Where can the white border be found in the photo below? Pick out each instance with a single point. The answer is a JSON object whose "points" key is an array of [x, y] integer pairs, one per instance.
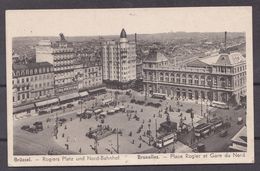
{"points": [[132, 159]]}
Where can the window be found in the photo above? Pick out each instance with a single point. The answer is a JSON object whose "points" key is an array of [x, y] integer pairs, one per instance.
{"points": [[161, 77]]}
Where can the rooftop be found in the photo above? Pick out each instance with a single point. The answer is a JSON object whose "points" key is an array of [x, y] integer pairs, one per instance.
{"points": [[218, 59], [155, 56], [31, 65]]}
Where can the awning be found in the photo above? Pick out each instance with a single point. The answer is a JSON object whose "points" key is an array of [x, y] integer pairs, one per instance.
{"points": [[23, 108], [96, 89], [46, 102], [69, 96], [83, 94]]}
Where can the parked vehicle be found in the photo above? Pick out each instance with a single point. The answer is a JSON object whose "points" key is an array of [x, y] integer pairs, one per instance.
{"points": [[25, 127], [159, 96], [70, 105], [38, 126]]}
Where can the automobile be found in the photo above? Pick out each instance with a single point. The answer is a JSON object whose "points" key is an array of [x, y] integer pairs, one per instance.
{"points": [[25, 127], [223, 133], [38, 126], [70, 105], [62, 120], [32, 130]]}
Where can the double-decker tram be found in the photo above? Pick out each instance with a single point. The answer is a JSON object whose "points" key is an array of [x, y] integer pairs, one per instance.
{"points": [[165, 140], [202, 129]]}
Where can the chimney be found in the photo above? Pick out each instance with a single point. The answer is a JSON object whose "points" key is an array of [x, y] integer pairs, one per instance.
{"points": [[225, 41], [135, 38]]}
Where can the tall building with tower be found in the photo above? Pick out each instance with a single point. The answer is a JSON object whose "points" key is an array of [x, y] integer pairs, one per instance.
{"points": [[62, 56], [119, 61]]}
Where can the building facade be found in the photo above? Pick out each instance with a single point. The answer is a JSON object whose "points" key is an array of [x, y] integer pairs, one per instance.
{"points": [[61, 55], [221, 77], [119, 60], [32, 82], [88, 75]]}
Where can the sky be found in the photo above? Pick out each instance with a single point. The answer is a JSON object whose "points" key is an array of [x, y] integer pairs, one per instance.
{"points": [[90, 22]]}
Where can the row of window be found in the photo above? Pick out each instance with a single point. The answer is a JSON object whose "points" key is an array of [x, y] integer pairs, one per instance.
{"points": [[33, 71], [32, 78], [223, 82]]}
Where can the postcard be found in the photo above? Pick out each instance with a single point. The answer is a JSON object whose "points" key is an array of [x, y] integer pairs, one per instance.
{"points": [[130, 86]]}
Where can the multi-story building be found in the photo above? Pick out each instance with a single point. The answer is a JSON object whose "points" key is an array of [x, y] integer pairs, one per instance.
{"points": [[119, 61], [32, 82], [88, 74], [61, 55], [221, 77]]}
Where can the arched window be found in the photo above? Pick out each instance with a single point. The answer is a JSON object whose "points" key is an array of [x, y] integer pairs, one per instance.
{"points": [[223, 82], [202, 80], [196, 80], [172, 78], [209, 81], [183, 79], [167, 77], [150, 76], [178, 78], [190, 79], [161, 76]]}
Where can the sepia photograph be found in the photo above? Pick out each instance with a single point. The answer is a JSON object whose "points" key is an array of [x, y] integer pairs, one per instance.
{"points": [[130, 86]]}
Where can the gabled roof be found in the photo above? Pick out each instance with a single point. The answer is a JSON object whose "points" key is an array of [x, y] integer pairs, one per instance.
{"points": [[197, 63]]}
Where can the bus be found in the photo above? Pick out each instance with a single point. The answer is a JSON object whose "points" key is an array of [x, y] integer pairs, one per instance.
{"points": [[202, 129], [159, 96], [216, 123], [165, 140]]}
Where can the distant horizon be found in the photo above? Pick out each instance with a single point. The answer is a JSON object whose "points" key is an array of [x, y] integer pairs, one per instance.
{"points": [[132, 34]]}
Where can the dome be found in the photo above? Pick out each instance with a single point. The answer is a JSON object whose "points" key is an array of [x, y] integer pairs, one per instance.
{"points": [[123, 34]]}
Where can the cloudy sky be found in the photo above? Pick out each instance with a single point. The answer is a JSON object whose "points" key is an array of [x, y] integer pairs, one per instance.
{"points": [[87, 22]]}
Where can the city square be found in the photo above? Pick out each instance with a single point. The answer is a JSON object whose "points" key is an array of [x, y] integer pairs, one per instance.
{"points": [[73, 131]]}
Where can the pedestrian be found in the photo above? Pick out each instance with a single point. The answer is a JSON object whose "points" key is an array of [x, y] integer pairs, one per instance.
{"points": [[79, 150]]}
